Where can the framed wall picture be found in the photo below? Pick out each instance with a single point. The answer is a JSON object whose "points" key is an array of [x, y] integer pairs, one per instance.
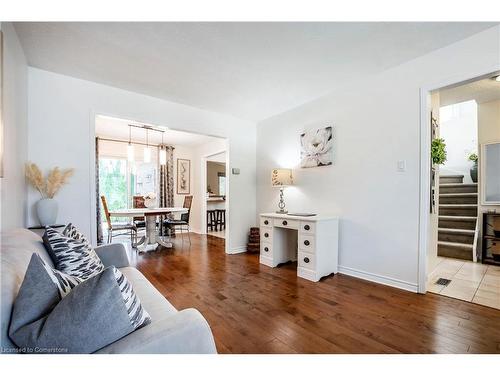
{"points": [[183, 176], [316, 148]]}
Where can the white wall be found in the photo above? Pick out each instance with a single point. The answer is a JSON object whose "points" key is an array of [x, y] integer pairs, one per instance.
{"points": [[459, 127], [376, 123], [13, 186], [61, 131]]}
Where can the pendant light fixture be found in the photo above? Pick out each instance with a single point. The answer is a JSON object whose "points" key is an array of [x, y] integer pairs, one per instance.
{"points": [[147, 150], [130, 147], [163, 152]]}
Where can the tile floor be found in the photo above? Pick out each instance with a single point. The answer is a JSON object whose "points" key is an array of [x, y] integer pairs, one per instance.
{"points": [[473, 282]]}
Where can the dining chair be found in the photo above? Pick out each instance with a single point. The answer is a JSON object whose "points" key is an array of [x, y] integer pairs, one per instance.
{"points": [[138, 202], [118, 227], [183, 223]]}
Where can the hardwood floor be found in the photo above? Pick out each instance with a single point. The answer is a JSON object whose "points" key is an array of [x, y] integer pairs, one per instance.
{"points": [[252, 308]]}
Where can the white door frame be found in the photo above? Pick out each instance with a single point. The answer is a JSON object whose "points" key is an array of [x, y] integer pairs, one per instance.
{"points": [[425, 154], [203, 182]]}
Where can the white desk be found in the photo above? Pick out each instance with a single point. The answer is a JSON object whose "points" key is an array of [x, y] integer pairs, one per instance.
{"points": [[312, 241]]}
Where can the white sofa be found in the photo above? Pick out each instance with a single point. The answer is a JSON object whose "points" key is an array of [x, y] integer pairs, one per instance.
{"points": [[171, 331]]}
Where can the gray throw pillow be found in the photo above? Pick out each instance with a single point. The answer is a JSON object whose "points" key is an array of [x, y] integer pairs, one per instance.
{"points": [[95, 313], [73, 257]]}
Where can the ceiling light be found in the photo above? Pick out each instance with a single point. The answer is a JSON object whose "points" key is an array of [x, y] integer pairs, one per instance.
{"points": [[147, 150], [130, 147], [163, 152]]}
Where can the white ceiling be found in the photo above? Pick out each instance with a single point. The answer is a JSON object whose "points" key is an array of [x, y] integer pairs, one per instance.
{"points": [[113, 128], [249, 70], [485, 90]]}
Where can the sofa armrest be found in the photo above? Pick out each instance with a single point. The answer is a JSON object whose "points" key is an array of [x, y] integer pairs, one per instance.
{"points": [[185, 332], [113, 254]]}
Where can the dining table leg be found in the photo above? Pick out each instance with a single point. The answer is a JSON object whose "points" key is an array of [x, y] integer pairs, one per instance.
{"points": [[152, 238]]}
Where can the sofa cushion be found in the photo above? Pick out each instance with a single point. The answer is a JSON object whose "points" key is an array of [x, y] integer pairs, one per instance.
{"points": [[94, 313], [17, 247], [74, 257], [72, 232]]}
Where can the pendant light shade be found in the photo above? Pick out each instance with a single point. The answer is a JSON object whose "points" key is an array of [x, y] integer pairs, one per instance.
{"points": [[147, 155], [147, 150], [163, 152], [130, 152], [163, 156], [130, 147]]}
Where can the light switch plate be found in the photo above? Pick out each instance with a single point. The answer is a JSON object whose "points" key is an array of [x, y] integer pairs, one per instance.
{"points": [[235, 171], [401, 165]]}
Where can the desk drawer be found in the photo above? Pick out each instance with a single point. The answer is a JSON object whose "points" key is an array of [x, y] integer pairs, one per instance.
{"points": [[266, 234], [266, 249], [308, 227], [286, 223], [306, 242], [307, 260], [266, 222]]}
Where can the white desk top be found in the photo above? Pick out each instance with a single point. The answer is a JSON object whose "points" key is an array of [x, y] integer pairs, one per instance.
{"points": [[301, 218]]}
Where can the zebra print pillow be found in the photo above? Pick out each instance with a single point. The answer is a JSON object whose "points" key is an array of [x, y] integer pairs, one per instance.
{"points": [[72, 232], [73, 257], [137, 315], [62, 281]]}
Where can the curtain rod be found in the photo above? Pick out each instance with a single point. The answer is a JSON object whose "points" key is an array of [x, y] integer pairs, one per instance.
{"points": [[133, 142]]}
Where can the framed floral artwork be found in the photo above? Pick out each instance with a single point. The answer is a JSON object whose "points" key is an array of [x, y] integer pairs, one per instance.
{"points": [[183, 176], [316, 148]]}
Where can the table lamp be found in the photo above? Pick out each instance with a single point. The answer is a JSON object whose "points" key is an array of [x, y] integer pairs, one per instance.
{"points": [[281, 178]]}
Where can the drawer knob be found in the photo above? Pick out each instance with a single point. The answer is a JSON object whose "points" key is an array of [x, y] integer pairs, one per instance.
{"points": [[306, 260], [307, 227], [307, 243], [266, 222], [266, 235], [266, 249], [285, 222]]}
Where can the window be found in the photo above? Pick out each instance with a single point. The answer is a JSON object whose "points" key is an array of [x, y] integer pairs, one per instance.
{"points": [[113, 183], [120, 180]]}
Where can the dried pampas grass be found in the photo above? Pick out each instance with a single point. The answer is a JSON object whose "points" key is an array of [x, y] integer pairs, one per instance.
{"points": [[49, 187]]}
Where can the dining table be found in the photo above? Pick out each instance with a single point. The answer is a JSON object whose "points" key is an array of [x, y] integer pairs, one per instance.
{"points": [[152, 237]]}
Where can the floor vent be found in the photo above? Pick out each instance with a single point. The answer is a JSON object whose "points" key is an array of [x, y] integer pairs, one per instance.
{"points": [[442, 281]]}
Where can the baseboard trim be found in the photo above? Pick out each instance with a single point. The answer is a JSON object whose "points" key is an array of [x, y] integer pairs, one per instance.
{"points": [[238, 250], [400, 284]]}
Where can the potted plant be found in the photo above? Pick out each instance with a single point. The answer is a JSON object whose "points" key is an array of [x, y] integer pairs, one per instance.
{"points": [[46, 207], [473, 170], [438, 151]]}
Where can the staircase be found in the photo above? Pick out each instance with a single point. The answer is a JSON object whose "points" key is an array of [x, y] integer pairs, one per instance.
{"points": [[457, 217]]}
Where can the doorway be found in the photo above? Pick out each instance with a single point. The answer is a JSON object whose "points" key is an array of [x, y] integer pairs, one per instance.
{"points": [[123, 176], [215, 177], [460, 257]]}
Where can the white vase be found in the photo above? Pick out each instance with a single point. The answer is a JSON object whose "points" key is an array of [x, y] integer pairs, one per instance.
{"points": [[150, 203], [46, 210]]}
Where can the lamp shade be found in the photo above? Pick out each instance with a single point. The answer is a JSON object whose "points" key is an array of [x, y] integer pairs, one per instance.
{"points": [[281, 177]]}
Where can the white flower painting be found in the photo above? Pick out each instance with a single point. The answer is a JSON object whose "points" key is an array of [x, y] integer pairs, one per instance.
{"points": [[316, 148]]}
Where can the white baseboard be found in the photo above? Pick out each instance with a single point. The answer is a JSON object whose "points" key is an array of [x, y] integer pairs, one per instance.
{"points": [[400, 284], [238, 250]]}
